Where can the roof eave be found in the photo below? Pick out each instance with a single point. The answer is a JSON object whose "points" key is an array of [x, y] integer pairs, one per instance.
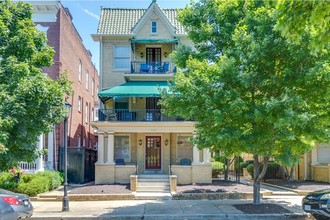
{"points": [[98, 37]]}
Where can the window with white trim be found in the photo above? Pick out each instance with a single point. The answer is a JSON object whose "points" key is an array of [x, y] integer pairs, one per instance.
{"points": [[79, 104], [86, 113], [79, 141], [92, 86], [79, 70], [154, 27], [184, 148], [122, 149], [87, 78], [122, 57]]}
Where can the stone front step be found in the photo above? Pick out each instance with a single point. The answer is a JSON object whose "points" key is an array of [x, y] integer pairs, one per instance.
{"points": [[153, 183], [153, 196]]}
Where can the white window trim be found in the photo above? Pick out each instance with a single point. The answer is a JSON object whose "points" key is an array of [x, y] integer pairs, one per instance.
{"points": [[153, 33], [79, 70], [86, 112], [93, 86], [129, 146], [79, 104], [87, 79], [177, 159], [114, 56]]}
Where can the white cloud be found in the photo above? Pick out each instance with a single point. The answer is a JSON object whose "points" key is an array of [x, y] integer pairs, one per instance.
{"points": [[91, 14]]}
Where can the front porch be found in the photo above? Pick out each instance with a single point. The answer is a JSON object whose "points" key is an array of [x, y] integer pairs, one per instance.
{"points": [[135, 149]]}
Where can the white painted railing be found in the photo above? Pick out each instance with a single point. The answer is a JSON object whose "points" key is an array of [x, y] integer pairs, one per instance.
{"points": [[28, 167]]}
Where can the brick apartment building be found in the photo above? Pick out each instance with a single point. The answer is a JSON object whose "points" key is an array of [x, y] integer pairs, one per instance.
{"points": [[72, 57]]}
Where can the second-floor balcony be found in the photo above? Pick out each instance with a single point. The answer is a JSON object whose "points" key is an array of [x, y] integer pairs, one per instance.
{"points": [[142, 67], [147, 115]]}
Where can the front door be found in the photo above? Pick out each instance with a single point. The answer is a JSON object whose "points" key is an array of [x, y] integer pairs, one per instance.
{"points": [[153, 153], [154, 58]]}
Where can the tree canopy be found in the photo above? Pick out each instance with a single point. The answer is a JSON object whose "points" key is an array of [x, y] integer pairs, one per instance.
{"points": [[248, 88], [297, 17], [30, 101]]}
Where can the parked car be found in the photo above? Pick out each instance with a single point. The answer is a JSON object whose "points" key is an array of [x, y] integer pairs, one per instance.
{"points": [[14, 205], [318, 204]]}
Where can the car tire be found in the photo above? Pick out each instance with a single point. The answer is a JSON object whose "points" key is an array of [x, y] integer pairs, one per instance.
{"points": [[319, 217]]}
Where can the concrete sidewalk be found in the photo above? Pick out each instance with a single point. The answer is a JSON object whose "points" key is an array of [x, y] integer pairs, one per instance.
{"points": [[163, 209]]}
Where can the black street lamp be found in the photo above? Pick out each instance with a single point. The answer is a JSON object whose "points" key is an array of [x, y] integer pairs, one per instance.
{"points": [[65, 206]]}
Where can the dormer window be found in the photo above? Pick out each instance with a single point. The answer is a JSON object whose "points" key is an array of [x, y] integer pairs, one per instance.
{"points": [[154, 27]]}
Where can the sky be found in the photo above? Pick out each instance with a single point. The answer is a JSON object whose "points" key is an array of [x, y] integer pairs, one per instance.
{"points": [[86, 16]]}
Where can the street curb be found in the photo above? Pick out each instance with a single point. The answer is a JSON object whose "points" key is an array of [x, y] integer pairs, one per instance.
{"points": [[178, 217], [299, 192]]}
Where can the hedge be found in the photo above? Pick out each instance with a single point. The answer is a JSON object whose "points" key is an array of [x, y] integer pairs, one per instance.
{"points": [[31, 184]]}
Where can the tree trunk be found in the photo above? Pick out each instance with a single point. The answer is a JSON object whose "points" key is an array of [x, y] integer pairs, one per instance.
{"points": [[257, 177], [291, 178]]}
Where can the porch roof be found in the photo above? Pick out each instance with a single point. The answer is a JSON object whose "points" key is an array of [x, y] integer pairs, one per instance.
{"points": [[154, 41], [135, 89]]}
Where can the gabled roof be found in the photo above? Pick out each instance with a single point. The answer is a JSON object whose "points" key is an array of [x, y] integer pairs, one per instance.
{"points": [[119, 21]]}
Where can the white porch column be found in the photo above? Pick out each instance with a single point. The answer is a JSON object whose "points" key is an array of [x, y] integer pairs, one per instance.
{"points": [[100, 149], [195, 155], [314, 155], [111, 147], [39, 161], [50, 155], [206, 155]]}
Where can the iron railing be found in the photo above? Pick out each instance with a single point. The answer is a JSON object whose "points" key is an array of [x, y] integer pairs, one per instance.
{"points": [[134, 115], [142, 67]]}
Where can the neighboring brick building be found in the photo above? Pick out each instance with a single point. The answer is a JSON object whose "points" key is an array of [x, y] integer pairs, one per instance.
{"points": [[72, 57]]}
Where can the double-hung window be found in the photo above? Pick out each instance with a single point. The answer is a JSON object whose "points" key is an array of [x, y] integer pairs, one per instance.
{"points": [[87, 78], [79, 70], [154, 27], [122, 57], [122, 149]]}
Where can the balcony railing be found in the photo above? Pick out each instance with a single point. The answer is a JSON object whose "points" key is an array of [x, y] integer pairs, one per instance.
{"points": [[147, 115], [140, 67]]}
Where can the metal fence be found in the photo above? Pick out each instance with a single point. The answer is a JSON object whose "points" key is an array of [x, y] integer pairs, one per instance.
{"points": [[81, 164]]}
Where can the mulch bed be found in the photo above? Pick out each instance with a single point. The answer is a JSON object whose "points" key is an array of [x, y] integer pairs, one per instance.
{"points": [[102, 189], [215, 187], [261, 209], [300, 185]]}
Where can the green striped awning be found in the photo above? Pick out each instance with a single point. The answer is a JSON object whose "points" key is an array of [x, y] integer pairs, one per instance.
{"points": [[146, 41], [135, 89]]}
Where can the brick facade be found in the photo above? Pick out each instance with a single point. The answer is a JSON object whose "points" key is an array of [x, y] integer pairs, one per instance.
{"points": [[69, 51]]}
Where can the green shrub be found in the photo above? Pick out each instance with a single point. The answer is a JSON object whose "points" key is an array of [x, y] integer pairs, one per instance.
{"points": [[55, 179], [7, 181], [217, 168], [249, 168], [271, 172], [38, 184], [238, 162], [25, 178]]}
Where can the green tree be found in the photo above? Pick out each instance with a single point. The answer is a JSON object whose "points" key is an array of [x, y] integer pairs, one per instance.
{"points": [[297, 17], [247, 88], [30, 101]]}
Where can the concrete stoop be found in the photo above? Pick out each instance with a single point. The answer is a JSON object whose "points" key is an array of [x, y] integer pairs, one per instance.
{"points": [[153, 186]]}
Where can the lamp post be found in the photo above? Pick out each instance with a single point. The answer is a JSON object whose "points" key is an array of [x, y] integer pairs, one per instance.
{"points": [[65, 206]]}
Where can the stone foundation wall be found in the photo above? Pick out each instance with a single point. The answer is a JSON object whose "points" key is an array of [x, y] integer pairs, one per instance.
{"points": [[104, 173], [321, 173], [123, 173]]}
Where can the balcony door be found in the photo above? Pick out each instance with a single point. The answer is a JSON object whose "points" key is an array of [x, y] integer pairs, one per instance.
{"points": [[153, 109], [154, 58], [153, 152]]}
